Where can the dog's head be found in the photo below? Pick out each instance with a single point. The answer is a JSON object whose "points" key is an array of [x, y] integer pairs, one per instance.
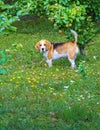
{"points": [[43, 45]]}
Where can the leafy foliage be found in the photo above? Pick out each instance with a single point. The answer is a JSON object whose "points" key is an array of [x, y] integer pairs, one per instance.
{"points": [[68, 14], [93, 8], [65, 14], [6, 18], [11, 13]]}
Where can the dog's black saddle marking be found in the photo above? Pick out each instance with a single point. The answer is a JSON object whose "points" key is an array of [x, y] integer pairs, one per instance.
{"points": [[55, 45]]}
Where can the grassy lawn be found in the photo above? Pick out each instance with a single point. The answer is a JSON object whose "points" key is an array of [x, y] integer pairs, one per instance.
{"points": [[36, 97]]}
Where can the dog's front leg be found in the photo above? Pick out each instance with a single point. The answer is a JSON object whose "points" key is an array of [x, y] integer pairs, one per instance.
{"points": [[49, 62]]}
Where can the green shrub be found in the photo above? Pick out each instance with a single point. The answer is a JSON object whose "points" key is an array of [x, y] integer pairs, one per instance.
{"points": [[68, 15], [65, 15], [93, 8], [6, 18], [11, 13]]}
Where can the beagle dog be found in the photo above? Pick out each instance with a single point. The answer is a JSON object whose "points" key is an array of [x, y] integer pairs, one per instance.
{"points": [[53, 51]]}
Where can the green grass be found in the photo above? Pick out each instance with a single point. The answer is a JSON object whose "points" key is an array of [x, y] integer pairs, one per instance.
{"points": [[36, 97]]}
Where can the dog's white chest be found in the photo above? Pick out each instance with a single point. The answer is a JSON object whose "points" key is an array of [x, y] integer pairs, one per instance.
{"points": [[57, 55]]}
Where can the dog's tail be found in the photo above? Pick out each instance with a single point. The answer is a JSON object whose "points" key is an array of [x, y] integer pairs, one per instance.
{"points": [[75, 35]]}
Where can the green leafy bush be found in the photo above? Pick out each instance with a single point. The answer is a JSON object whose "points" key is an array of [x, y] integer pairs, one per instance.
{"points": [[11, 13], [68, 15], [93, 8], [6, 18], [65, 15]]}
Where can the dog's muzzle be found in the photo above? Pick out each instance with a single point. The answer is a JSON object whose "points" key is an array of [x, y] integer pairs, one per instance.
{"points": [[43, 50]]}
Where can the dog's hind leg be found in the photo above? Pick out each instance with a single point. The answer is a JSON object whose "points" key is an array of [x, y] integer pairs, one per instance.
{"points": [[72, 61], [71, 58]]}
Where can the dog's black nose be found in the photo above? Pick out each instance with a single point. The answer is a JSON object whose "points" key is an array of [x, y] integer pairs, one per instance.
{"points": [[42, 49]]}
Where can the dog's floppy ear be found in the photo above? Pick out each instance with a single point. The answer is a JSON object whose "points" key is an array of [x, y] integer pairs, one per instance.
{"points": [[48, 45], [37, 46]]}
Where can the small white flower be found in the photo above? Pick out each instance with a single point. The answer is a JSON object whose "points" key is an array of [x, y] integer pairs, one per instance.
{"points": [[54, 94], [72, 81], [89, 96], [79, 99], [7, 50], [81, 95], [94, 57], [51, 88], [98, 103], [83, 98], [66, 87], [76, 70]]}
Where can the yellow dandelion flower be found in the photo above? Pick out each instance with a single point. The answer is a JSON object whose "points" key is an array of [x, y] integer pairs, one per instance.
{"points": [[13, 97], [20, 98], [13, 78], [18, 77], [32, 86], [17, 82], [29, 81]]}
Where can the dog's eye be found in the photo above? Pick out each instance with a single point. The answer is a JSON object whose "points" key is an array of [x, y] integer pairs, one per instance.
{"points": [[44, 44], [40, 45]]}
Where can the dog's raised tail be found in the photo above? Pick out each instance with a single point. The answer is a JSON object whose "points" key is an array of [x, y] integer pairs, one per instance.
{"points": [[75, 35]]}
